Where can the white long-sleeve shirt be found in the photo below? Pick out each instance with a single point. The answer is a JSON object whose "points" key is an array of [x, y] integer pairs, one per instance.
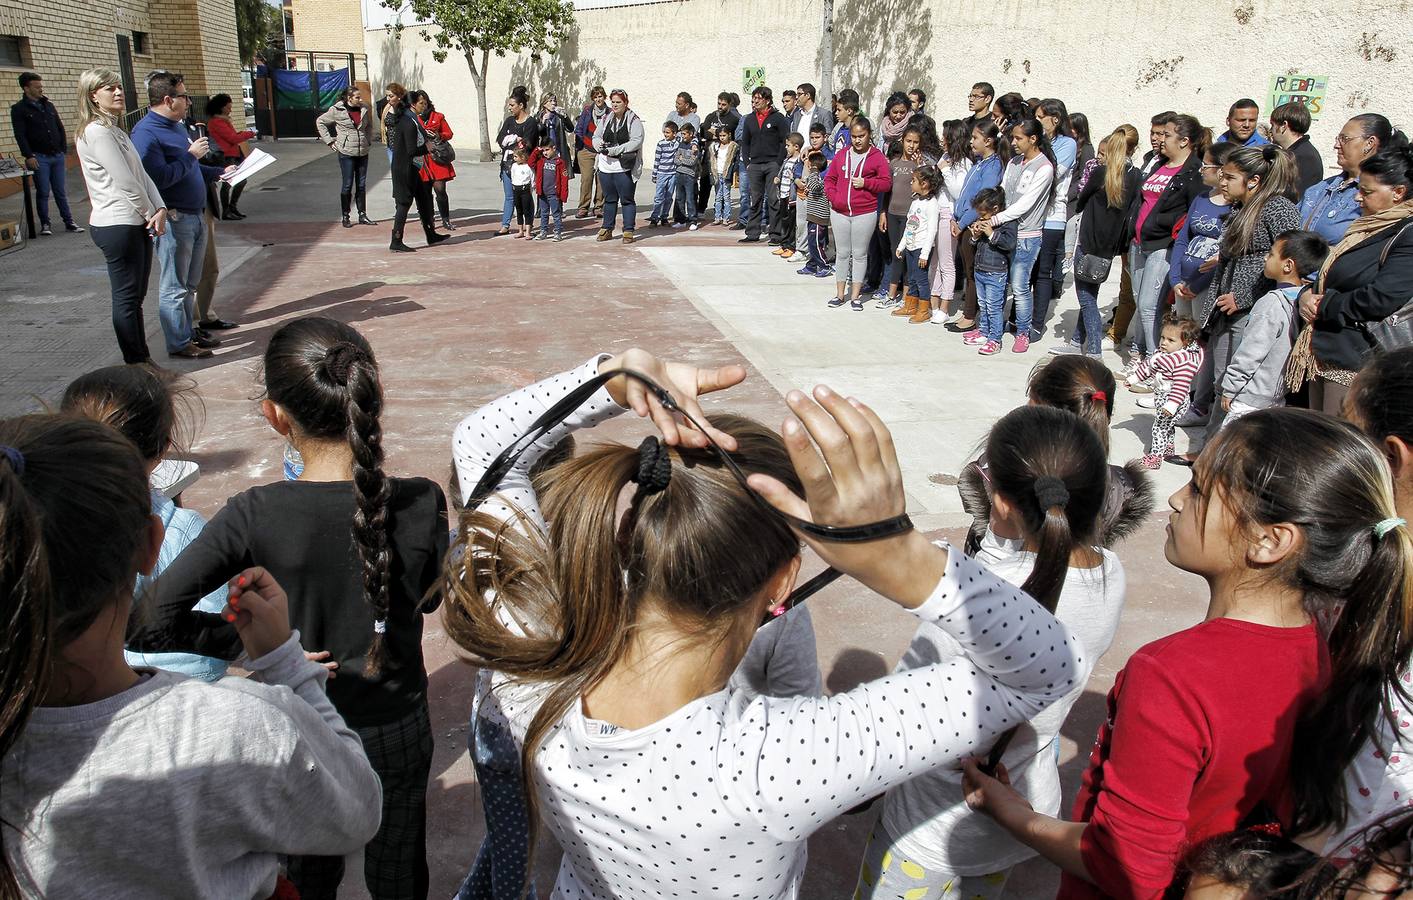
{"points": [[954, 178], [920, 233], [1027, 186], [719, 797], [180, 788], [120, 191], [927, 818]]}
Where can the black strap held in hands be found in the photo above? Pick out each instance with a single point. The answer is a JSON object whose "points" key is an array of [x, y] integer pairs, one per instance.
{"points": [[496, 471]]}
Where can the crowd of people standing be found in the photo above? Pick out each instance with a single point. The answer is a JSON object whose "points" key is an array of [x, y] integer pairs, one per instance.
{"points": [[648, 689]]}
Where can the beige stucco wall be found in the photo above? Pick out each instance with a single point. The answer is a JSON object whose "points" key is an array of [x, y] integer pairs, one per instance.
{"points": [[334, 26], [1116, 60]]}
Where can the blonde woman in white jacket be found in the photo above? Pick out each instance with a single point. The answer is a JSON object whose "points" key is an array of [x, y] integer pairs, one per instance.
{"points": [[955, 165], [127, 210]]}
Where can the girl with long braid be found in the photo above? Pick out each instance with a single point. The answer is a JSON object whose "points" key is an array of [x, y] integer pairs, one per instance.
{"points": [[361, 600]]}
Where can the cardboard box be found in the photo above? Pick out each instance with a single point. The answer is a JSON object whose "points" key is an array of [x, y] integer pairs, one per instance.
{"points": [[9, 234]]}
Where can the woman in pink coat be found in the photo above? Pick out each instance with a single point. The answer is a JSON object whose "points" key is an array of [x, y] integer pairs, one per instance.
{"points": [[438, 173], [855, 178]]}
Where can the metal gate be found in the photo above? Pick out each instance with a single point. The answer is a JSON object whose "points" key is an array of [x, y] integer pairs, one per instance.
{"points": [[288, 100]]}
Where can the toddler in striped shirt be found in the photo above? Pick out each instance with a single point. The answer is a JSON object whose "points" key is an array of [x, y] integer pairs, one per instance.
{"points": [[1170, 371]]}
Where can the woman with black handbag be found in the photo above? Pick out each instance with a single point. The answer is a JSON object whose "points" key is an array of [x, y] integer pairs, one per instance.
{"points": [[231, 144], [410, 186], [1366, 279], [1103, 209], [437, 170]]}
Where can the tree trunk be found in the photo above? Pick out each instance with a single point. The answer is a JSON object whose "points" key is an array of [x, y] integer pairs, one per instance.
{"points": [[478, 77], [826, 67]]}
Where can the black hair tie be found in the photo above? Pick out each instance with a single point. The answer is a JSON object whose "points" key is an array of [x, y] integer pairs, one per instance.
{"points": [[654, 467], [1051, 492], [339, 360]]}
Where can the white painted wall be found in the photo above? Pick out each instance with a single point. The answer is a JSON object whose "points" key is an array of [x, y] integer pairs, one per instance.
{"points": [[1116, 60]]}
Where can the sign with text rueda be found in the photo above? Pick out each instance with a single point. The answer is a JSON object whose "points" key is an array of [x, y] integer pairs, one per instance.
{"points": [[752, 77], [1306, 89]]}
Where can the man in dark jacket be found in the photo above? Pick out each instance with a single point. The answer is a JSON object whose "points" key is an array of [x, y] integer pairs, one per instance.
{"points": [[763, 149], [39, 132], [1290, 125]]}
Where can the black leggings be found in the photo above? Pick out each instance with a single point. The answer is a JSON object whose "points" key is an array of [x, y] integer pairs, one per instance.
{"points": [[524, 205], [128, 251], [1048, 277]]}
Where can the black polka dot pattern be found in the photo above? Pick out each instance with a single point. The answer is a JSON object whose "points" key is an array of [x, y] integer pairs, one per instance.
{"points": [[718, 798]]}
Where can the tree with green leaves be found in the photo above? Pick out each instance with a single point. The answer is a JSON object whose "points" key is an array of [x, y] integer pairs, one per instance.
{"points": [[475, 29], [259, 26]]}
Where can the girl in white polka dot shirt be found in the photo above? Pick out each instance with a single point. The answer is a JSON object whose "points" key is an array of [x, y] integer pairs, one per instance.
{"points": [[612, 651]]}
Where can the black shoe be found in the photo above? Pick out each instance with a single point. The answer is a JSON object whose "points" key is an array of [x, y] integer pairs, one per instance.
{"points": [[434, 238], [216, 324], [204, 340], [448, 224], [748, 240], [364, 220], [229, 216], [235, 212], [191, 351], [400, 247], [347, 222], [738, 227]]}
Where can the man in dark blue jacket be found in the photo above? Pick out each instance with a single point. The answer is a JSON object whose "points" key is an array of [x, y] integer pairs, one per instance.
{"points": [[762, 146], [173, 160], [39, 133]]}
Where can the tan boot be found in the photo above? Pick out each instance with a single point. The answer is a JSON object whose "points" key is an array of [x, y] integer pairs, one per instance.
{"points": [[923, 313], [909, 306], [627, 237], [605, 234], [964, 324]]}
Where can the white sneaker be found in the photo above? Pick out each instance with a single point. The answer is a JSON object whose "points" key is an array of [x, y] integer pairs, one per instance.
{"points": [[954, 318], [798, 258], [1147, 401], [1107, 343], [940, 318], [693, 227], [889, 302]]}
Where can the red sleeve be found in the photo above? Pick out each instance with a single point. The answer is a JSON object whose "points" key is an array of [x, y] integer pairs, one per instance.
{"points": [[225, 135], [1157, 749], [443, 128], [832, 177], [563, 178]]}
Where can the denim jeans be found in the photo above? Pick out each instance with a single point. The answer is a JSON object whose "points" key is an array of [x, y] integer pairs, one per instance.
{"points": [[180, 253], [662, 198], [991, 304], [1088, 328], [50, 177], [508, 210], [723, 199], [499, 870], [128, 251], [1150, 280], [743, 182], [551, 206], [618, 189], [684, 190], [1022, 262], [916, 276], [1049, 277]]}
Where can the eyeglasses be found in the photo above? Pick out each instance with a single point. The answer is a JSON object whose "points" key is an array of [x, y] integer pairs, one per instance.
{"points": [[1341, 140], [557, 413], [1204, 167]]}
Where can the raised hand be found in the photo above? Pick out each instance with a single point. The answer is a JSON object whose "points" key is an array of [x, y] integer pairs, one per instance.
{"points": [[685, 382], [258, 608]]}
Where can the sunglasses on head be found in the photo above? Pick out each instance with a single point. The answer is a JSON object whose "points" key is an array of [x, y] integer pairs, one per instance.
{"points": [[496, 472]]}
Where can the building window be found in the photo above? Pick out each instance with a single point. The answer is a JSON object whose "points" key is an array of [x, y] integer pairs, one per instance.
{"points": [[141, 43], [14, 51]]}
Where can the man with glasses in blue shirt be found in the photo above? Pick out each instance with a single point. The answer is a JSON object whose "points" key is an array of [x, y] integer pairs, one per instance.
{"points": [[173, 160]]}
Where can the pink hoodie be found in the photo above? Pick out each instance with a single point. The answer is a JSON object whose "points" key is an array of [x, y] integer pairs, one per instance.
{"points": [[848, 200]]}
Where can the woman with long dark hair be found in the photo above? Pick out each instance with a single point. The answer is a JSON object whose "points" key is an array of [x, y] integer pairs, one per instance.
{"points": [[228, 141], [1029, 182], [519, 131], [955, 165], [435, 172], [990, 152], [1049, 275], [347, 127]]}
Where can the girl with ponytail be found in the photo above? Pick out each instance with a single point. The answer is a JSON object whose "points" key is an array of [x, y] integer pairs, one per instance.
{"points": [[1029, 182], [1049, 480], [1290, 519], [607, 641], [1258, 183], [223, 778], [1354, 755], [358, 550]]}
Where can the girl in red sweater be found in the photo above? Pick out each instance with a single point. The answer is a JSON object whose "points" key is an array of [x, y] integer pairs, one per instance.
{"points": [[1279, 518]]}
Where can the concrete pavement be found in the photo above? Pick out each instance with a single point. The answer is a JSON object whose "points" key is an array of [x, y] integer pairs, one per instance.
{"points": [[456, 325]]}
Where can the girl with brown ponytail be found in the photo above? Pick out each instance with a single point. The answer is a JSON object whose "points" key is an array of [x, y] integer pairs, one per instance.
{"points": [[1049, 478], [608, 640], [361, 599]]}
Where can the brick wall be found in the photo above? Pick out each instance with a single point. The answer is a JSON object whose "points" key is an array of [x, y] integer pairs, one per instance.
{"points": [[67, 37], [335, 26]]}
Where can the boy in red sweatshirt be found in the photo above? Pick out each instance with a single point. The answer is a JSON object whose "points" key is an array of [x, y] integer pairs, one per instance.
{"points": [[551, 187]]}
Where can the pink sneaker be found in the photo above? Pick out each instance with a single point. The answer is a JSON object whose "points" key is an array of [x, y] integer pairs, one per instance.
{"points": [[991, 348], [973, 338], [1021, 345], [1152, 461]]}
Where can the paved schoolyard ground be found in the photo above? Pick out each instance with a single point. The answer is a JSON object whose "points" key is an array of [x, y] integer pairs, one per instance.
{"points": [[456, 325]]}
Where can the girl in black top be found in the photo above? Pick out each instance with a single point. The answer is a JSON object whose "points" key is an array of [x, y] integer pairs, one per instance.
{"points": [[361, 599], [519, 131]]}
